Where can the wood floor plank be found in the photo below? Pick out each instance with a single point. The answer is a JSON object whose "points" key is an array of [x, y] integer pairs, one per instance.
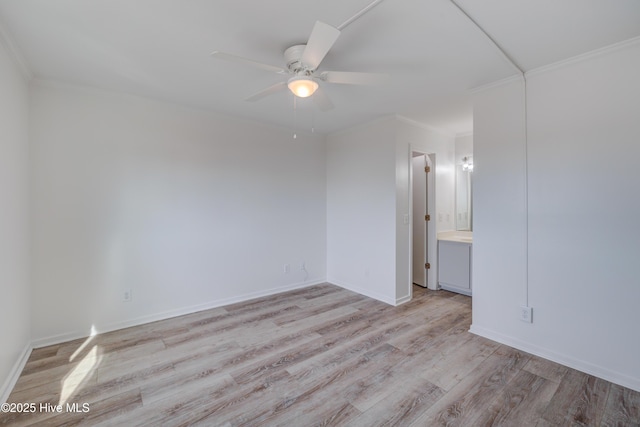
{"points": [[337, 416], [451, 363], [227, 404], [546, 369], [622, 408], [438, 324], [410, 366], [284, 359], [337, 386], [300, 400], [371, 305], [332, 358], [405, 402], [377, 360], [251, 405], [465, 403], [414, 365], [246, 359], [337, 296], [579, 400], [522, 402], [44, 352], [228, 322], [177, 409], [320, 320], [105, 409], [69, 373], [318, 308], [131, 368], [320, 355]]}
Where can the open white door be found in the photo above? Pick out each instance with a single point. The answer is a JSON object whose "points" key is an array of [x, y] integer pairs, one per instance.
{"points": [[420, 170]]}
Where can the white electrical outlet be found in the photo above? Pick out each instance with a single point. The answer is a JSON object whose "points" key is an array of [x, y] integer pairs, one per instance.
{"points": [[526, 314], [286, 268], [126, 295]]}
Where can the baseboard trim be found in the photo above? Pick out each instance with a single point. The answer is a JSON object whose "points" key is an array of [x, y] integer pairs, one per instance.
{"points": [[361, 291], [69, 336], [563, 359], [403, 300], [12, 379]]}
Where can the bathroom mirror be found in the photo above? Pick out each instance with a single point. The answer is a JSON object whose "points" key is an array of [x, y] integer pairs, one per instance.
{"points": [[464, 187]]}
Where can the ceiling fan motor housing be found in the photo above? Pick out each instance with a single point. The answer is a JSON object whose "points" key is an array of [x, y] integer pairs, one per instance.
{"points": [[293, 59]]}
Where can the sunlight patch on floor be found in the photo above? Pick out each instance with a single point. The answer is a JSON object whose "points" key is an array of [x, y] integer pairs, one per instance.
{"points": [[84, 344], [81, 373]]}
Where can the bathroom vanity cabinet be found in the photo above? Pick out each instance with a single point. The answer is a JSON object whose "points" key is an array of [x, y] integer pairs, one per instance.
{"points": [[454, 265]]}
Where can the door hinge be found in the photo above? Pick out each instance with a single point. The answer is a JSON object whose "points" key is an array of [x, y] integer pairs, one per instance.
{"points": [[427, 266], [427, 169], [427, 217]]}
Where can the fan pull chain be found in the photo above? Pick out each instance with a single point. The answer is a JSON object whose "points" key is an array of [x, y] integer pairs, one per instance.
{"points": [[295, 117]]}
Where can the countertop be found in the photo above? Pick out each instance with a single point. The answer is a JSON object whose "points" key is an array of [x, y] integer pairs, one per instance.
{"points": [[456, 236]]}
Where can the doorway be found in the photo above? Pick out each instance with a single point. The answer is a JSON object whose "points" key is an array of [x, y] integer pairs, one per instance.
{"points": [[423, 247]]}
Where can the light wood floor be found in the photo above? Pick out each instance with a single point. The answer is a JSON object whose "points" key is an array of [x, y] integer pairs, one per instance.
{"points": [[316, 356]]}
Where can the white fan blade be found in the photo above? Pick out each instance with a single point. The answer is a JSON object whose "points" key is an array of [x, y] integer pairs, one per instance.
{"points": [[322, 37], [321, 99], [352, 78], [268, 91], [241, 60]]}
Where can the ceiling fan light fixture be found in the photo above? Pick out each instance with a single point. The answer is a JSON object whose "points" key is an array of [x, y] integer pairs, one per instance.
{"points": [[302, 87]]}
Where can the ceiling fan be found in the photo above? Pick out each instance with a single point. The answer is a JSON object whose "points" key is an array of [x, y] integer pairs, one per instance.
{"points": [[302, 62]]}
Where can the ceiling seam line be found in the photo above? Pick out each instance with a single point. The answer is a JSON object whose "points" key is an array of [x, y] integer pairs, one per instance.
{"points": [[495, 43]]}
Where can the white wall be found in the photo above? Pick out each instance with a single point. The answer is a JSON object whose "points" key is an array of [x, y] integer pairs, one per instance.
{"points": [[414, 137], [583, 212], [186, 208], [361, 214], [14, 222], [499, 235]]}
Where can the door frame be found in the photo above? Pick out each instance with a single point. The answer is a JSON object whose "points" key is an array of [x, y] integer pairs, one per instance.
{"points": [[431, 229]]}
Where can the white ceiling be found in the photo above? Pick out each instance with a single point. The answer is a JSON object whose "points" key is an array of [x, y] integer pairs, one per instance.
{"points": [[432, 52]]}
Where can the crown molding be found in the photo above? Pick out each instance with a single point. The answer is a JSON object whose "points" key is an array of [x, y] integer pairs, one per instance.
{"points": [[585, 56], [560, 64], [14, 53]]}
